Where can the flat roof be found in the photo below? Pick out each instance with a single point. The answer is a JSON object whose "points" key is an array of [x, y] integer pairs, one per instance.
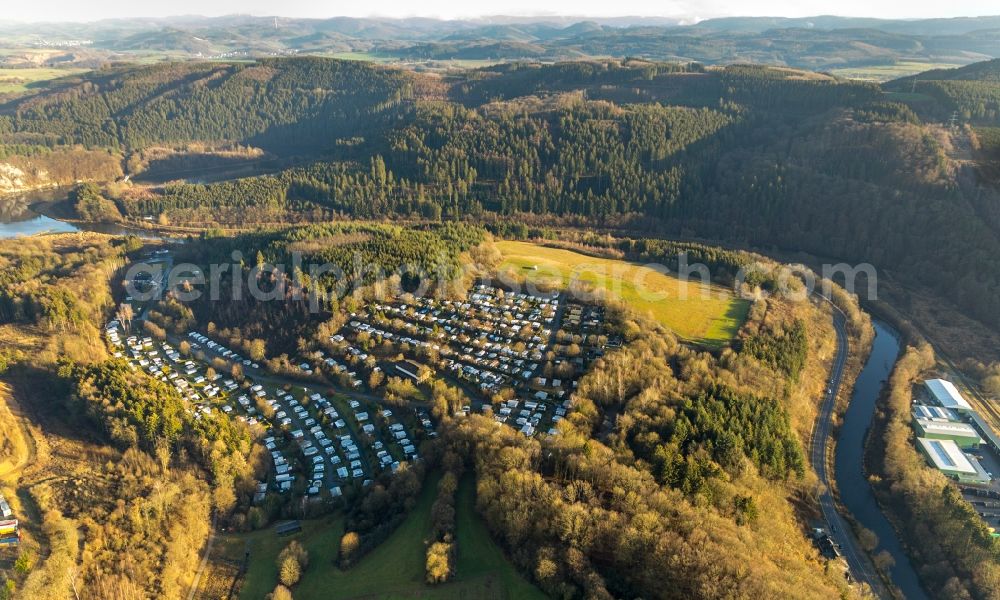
{"points": [[925, 411], [947, 456], [947, 428], [946, 394]]}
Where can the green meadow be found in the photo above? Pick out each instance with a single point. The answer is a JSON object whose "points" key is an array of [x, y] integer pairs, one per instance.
{"points": [[395, 569], [697, 312]]}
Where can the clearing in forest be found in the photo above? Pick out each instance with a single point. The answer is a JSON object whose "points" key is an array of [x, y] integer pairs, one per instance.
{"points": [[394, 569], [703, 313]]}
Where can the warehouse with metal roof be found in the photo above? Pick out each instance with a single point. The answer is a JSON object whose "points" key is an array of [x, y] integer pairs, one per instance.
{"points": [[947, 395], [962, 434], [935, 413], [947, 457]]}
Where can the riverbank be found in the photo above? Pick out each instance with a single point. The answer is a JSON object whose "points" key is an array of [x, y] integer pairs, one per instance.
{"points": [[948, 542], [855, 490], [50, 212]]}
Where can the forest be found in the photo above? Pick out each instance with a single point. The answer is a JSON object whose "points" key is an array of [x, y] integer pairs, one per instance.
{"points": [[750, 155], [674, 493], [676, 464], [126, 481], [299, 105]]}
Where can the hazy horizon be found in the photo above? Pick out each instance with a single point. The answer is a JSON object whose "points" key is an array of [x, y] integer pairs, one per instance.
{"points": [[61, 11]]}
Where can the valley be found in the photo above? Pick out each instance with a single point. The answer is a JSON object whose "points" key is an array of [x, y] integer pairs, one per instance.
{"points": [[577, 310]]}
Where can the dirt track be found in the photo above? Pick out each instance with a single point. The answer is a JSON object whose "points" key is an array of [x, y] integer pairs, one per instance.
{"points": [[28, 449]]}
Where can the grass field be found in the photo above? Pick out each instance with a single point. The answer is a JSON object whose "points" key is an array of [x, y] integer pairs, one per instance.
{"points": [[320, 537], [395, 569], [19, 80], [705, 314], [365, 56], [887, 72], [480, 564]]}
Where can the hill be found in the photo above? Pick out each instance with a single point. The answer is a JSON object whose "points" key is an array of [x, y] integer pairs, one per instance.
{"points": [[298, 105], [955, 26], [766, 156], [820, 42], [981, 71], [971, 93], [742, 153]]}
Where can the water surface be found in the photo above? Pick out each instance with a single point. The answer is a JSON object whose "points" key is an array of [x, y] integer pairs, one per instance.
{"points": [[855, 491]]}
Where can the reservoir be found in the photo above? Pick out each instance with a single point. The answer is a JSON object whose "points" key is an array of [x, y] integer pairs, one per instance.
{"points": [[18, 219]]}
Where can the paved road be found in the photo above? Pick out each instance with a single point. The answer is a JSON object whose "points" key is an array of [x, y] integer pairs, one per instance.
{"points": [[858, 562]]}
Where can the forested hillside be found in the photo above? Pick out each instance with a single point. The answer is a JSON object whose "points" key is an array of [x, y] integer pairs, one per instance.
{"points": [[680, 500], [972, 93], [298, 105], [750, 154]]}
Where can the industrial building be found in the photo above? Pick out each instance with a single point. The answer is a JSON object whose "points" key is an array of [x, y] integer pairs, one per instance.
{"points": [[963, 434], [947, 395], [947, 457], [935, 413]]}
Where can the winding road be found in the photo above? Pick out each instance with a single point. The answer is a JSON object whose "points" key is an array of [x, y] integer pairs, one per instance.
{"points": [[858, 562]]}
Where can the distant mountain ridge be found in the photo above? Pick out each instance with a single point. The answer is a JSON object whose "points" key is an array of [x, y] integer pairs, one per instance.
{"points": [[953, 26], [821, 42]]}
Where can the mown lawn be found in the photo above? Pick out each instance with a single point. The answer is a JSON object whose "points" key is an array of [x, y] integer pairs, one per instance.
{"points": [[706, 314], [393, 570]]}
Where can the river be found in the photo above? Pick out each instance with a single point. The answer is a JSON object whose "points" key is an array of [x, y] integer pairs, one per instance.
{"points": [[18, 218], [855, 491]]}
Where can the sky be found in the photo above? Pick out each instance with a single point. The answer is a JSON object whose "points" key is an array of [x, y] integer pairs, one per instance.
{"points": [[90, 10]]}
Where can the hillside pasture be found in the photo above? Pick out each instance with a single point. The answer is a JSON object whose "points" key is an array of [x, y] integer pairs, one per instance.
{"points": [[702, 313], [890, 71], [14, 81]]}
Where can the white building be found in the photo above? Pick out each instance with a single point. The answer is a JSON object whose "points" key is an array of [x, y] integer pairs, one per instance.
{"points": [[947, 395]]}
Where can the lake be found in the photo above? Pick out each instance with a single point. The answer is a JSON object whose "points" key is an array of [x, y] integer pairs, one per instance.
{"points": [[18, 219]]}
